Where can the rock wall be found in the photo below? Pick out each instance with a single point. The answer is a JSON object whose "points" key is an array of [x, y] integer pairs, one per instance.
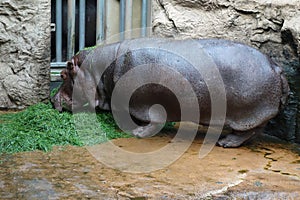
{"points": [[25, 52], [273, 26]]}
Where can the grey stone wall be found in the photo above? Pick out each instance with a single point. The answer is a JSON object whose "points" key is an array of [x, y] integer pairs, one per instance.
{"points": [[24, 52], [270, 25], [273, 26]]}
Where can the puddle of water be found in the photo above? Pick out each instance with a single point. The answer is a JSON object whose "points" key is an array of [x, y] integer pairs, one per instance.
{"points": [[36, 189]]}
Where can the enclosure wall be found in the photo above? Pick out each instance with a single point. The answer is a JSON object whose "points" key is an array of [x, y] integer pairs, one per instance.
{"points": [[25, 52]]}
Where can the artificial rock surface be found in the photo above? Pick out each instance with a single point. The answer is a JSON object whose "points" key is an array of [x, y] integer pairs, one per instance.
{"points": [[271, 26], [25, 52]]}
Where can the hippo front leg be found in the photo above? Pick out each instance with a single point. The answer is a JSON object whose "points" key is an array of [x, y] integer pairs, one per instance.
{"points": [[237, 138]]}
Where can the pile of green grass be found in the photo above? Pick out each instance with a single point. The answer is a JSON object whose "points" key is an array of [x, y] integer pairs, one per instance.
{"points": [[42, 127]]}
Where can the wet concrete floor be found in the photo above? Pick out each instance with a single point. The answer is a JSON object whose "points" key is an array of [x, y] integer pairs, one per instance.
{"points": [[265, 168]]}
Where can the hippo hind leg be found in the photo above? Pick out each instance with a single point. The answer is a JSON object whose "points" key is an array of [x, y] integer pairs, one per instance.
{"points": [[237, 138], [147, 130]]}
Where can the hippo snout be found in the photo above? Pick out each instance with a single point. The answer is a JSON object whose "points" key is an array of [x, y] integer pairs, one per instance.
{"points": [[62, 101], [56, 102]]}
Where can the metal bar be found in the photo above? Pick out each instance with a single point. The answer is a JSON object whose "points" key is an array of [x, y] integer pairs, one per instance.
{"points": [[58, 64], [81, 24], [71, 28], [144, 18], [58, 30], [128, 19], [103, 21], [122, 19], [100, 33], [149, 19]]}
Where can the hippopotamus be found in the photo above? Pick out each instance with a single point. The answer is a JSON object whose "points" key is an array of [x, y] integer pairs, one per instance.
{"points": [[256, 88]]}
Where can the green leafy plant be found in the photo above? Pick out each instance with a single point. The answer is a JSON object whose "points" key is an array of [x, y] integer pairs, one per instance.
{"points": [[40, 127], [37, 127]]}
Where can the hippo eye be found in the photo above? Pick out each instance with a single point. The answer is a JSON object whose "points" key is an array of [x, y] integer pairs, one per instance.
{"points": [[69, 65]]}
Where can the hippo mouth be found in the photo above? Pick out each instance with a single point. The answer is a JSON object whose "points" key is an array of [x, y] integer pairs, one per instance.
{"points": [[56, 102], [62, 102]]}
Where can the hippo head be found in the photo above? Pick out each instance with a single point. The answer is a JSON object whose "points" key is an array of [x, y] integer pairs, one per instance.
{"points": [[62, 100]]}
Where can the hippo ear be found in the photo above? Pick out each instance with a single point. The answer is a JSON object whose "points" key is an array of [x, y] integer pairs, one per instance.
{"points": [[75, 60], [75, 67]]}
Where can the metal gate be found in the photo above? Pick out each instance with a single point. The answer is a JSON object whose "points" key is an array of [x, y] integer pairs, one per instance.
{"points": [[76, 24]]}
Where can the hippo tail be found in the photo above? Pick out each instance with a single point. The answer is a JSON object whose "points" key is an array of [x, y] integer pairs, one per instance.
{"points": [[285, 89]]}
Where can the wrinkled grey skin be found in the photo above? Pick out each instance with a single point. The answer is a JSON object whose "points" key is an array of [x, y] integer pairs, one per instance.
{"points": [[255, 87]]}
